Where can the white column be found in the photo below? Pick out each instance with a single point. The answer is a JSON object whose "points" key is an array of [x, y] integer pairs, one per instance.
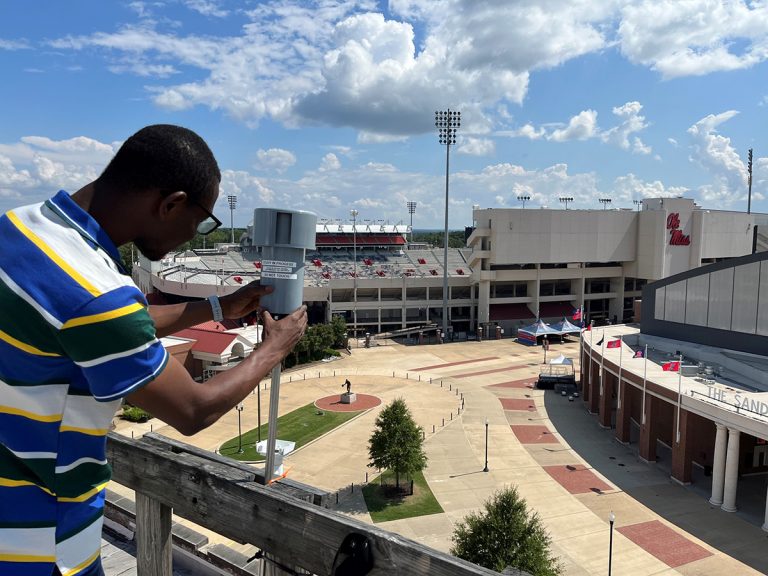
{"points": [[718, 466], [765, 524], [731, 471]]}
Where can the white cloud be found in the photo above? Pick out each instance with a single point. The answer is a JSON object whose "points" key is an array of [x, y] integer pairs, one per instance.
{"points": [[476, 146], [276, 159], [207, 8], [580, 127], [673, 142], [529, 131], [250, 190], [719, 158], [6, 44], [631, 121], [695, 37], [330, 162], [630, 187]]}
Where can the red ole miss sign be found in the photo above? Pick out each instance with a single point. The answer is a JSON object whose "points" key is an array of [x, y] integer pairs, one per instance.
{"points": [[676, 236]]}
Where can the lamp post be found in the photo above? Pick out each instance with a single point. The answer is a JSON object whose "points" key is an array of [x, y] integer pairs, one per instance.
{"points": [[749, 181], [605, 202], [486, 446], [565, 200], [545, 345], [411, 210], [523, 199], [239, 409], [232, 199], [638, 203], [446, 122], [354, 214], [611, 519]]}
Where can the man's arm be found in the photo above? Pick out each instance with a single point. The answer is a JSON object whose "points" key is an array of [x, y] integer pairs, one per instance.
{"points": [[191, 406], [174, 317]]}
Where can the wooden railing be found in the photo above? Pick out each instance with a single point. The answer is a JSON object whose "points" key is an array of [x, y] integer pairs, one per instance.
{"points": [[286, 520]]}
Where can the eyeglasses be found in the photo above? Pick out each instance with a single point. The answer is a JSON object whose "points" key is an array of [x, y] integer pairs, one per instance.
{"points": [[209, 224]]}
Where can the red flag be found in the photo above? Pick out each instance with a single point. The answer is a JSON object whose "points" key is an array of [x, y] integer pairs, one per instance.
{"points": [[613, 344], [577, 314], [588, 328], [671, 366]]}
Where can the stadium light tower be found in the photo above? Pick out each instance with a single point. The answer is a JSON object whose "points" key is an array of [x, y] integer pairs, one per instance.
{"points": [[411, 210], [446, 122], [605, 202], [354, 214], [523, 199], [232, 199], [566, 200]]}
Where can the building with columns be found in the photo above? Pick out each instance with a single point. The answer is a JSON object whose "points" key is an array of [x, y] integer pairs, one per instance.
{"points": [[541, 262], [689, 387]]}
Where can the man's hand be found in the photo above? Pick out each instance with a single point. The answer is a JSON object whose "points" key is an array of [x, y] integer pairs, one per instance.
{"points": [[241, 303], [283, 334]]}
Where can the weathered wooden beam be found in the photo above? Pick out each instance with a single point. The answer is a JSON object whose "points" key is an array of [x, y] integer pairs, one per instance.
{"points": [[224, 498], [153, 537]]}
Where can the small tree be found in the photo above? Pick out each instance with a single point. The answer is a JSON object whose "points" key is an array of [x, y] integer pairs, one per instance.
{"points": [[505, 534], [396, 443]]}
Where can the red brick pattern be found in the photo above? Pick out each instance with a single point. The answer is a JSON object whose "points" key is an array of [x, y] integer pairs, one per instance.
{"points": [[495, 370], [517, 404], [577, 479], [449, 364], [535, 434], [333, 403], [659, 540]]}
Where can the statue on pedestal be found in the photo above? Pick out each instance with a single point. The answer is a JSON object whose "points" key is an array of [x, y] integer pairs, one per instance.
{"points": [[348, 384]]}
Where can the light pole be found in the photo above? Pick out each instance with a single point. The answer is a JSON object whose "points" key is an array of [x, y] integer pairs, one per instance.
{"points": [[354, 214], [523, 199], [749, 181], [605, 202], [638, 203], [239, 408], [545, 345], [486, 446], [565, 200], [232, 199], [446, 122], [611, 519], [411, 210]]}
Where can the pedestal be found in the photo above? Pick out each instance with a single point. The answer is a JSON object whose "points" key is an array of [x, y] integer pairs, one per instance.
{"points": [[348, 398]]}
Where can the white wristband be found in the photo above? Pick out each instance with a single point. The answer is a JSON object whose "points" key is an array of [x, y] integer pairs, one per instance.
{"points": [[218, 315]]}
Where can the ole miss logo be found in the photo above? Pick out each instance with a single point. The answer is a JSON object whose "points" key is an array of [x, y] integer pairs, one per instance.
{"points": [[676, 236]]}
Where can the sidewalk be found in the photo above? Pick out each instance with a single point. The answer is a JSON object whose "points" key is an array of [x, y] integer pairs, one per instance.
{"points": [[569, 470]]}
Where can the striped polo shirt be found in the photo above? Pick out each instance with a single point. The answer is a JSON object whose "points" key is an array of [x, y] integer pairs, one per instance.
{"points": [[75, 338]]}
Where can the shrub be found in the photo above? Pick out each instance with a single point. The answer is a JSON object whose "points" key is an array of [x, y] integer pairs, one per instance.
{"points": [[135, 414]]}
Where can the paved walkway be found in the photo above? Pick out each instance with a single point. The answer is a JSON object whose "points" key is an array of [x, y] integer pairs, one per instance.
{"points": [[571, 472]]}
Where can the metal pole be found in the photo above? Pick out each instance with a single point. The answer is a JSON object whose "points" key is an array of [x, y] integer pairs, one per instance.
{"points": [[749, 181], [679, 393], [354, 213], [445, 241], [611, 519], [232, 199], [274, 398], [258, 412], [239, 430], [486, 446]]}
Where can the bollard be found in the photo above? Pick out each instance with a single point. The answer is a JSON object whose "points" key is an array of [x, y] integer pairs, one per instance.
{"points": [[451, 415], [352, 488], [407, 376], [458, 411], [334, 373], [131, 434], [457, 391], [337, 497], [430, 380], [150, 427], [450, 387], [290, 379], [419, 377], [441, 383], [433, 428], [366, 477], [443, 421], [423, 435], [393, 373], [305, 376], [318, 374]]}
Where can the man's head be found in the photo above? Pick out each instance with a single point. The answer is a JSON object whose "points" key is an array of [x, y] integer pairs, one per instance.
{"points": [[170, 174]]}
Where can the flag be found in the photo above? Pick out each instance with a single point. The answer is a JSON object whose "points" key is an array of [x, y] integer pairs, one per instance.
{"points": [[577, 314], [671, 366], [588, 328], [638, 354], [600, 343], [614, 344]]}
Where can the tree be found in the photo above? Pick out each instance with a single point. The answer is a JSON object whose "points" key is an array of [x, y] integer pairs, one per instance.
{"points": [[505, 534], [396, 442]]}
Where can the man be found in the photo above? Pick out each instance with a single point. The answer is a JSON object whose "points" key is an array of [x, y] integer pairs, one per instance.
{"points": [[77, 337]]}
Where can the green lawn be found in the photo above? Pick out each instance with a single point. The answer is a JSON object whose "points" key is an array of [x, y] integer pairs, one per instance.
{"points": [[301, 426], [383, 508]]}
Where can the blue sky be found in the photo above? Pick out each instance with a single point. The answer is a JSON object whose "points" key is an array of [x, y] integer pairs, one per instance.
{"points": [[328, 105]]}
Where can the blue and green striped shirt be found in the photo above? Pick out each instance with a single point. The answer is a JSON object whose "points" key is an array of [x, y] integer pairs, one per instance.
{"points": [[75, 338]]}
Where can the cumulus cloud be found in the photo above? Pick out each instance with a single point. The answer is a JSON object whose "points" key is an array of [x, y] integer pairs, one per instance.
{"points": [[6, 44], [630, 187], [719, 158], [476, 146], [631, 122], [330, 162], [207, 8], [276, 159], [695, 37], [580, 127]]}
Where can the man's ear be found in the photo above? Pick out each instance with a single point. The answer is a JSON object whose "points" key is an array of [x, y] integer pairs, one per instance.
{"points": [[171, 205]]}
